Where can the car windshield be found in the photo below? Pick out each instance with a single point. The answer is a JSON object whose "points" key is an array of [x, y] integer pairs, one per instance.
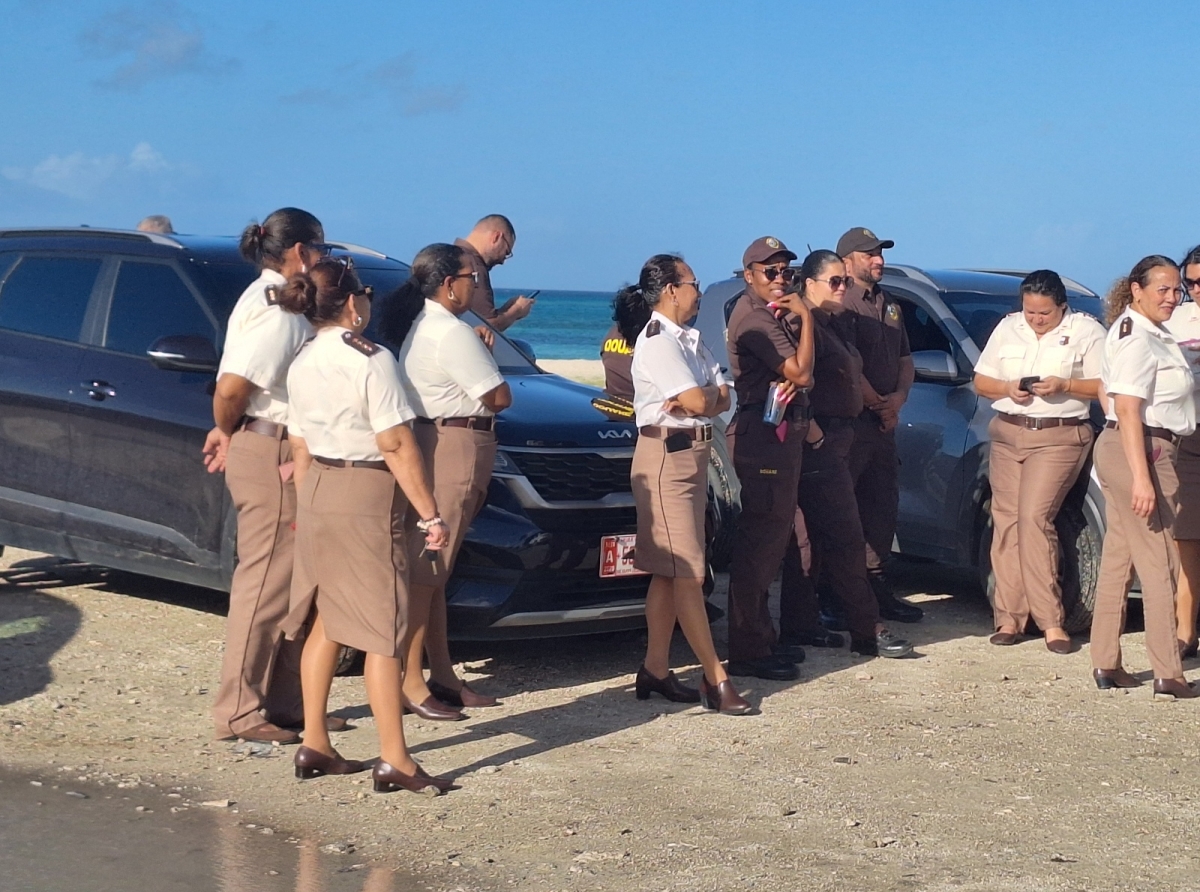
{"points": [[980, 313]]}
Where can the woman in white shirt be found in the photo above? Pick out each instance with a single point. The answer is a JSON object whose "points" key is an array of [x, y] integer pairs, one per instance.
{"points": [[357, 469], [1184, 326], [258, 697], [677, 387], [1148, 386], [1041, 367]]}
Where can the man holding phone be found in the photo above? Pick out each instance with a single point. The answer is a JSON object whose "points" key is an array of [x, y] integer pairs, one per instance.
{"points": [[491, 243]]}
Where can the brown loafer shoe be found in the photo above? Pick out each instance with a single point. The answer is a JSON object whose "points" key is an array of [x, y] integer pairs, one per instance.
{"points": [[1107, 679], [723, 698], [1004, 639], [434, 710], [645, 684], [1059, 645], [388, 779], [266, 733], [463, 698], [310, 763], [1174, 689]]}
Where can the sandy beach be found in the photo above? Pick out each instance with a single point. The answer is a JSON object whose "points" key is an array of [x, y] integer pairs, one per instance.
{"points": [[585, 371]]}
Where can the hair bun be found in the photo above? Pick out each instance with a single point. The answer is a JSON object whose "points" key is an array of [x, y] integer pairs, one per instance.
{"points": [[299, 294]]}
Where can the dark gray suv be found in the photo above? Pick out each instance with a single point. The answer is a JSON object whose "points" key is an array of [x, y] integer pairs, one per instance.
{"points": [[942, 435]]}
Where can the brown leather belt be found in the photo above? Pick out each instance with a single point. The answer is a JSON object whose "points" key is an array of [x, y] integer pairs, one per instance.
{"points": [[701, 434], [346, 463], [1160, 433], [471, 422], [1036, 424], [259, 426]]}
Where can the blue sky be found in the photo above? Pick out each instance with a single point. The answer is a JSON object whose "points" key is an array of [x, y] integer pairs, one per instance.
{"points": [[1005, 134]]}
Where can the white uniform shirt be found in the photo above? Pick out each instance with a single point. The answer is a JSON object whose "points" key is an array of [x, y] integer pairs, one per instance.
{"points": [[446, 366], [1143, 360], [1184, 325], [1072, 349], [261, 341], [344, 390], [667, 360]]}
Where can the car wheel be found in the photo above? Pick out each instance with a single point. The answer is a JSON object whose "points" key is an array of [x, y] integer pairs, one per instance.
{"points": [[1079, 544]]}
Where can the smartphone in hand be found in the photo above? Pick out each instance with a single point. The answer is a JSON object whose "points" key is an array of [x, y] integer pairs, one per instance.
{"points": [[1026, 384]]}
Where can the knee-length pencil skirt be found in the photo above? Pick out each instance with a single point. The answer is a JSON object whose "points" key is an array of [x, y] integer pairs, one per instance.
{"points": [[351, 558], [670, 490]]}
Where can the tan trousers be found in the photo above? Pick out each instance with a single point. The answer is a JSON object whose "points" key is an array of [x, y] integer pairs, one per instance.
{"points": [[1031, 473], [260, 673], [1133, 543]]}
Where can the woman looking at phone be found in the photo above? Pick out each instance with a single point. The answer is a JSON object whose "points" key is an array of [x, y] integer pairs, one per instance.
{"points": [[1041, 366]]}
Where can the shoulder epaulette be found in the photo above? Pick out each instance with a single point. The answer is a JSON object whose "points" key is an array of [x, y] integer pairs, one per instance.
{"points": [[272, 293], [1126, 328], [653, 328], [361, 344]]}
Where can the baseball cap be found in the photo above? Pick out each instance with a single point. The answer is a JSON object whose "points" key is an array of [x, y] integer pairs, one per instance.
{"points": [[860, 239], [763, 249]]}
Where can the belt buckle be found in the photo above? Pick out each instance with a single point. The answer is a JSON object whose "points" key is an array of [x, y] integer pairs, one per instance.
{"points": [[706, 433], [1034, 424]]}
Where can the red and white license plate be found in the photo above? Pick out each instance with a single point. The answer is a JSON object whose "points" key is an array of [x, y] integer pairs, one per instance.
{"points": [[616, 556]]}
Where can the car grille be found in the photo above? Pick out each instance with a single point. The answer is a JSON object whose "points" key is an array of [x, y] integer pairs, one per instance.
{"points": [[574, 476]]}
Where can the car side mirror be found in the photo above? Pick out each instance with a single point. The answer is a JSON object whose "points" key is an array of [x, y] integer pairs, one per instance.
{"points": [[526, 348], [184, 353], [937, 366]]}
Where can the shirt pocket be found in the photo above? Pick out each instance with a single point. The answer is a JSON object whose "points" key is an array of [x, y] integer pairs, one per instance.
{"points": [[1058, 362], [1012, 363], [1173, 384]]}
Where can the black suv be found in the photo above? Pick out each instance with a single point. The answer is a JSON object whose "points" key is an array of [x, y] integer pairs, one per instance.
{"points": [[108, 347]]}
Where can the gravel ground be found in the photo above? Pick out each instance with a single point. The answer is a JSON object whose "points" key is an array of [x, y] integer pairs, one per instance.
{"points": [[966, 767]]}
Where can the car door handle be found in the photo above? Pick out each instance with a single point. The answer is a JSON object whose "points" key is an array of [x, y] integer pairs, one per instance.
{"points": [[98, 390]]}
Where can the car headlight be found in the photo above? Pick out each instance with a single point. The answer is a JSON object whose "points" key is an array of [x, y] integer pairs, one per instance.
{"points": [[504, 466]]}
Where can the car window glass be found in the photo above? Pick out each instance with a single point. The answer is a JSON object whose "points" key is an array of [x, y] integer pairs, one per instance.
{"points": [[924, 332], [225, 284], [981, 313], [149, 302], [48, 296]]}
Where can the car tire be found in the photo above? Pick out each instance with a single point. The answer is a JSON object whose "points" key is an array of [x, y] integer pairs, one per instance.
{"points": [[1079, 544]]}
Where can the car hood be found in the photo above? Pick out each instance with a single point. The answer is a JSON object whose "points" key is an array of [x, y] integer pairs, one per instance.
{"points": [[548, 410]]}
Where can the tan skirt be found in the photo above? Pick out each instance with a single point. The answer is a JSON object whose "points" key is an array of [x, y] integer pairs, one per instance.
{"points": [[671, 492], [459, 463], [1187, 467], [350, 559]]}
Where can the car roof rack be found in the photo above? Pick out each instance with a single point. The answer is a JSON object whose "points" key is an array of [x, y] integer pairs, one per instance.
{"points": [[133, 234], [1070, 283]]}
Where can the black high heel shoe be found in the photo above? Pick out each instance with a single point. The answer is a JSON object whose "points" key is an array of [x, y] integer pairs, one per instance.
{"points": [[388, 779], [310, 763], [669, 687], [723, 698]]}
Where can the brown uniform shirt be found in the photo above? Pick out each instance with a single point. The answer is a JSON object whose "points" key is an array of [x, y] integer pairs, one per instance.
{"points": [[758, 345], [879, 336], [837, 366], [617, 355], [483, 300]]}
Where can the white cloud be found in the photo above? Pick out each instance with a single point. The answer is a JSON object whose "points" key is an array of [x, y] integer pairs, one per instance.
{"points": [[157, 40], [81, 177]]}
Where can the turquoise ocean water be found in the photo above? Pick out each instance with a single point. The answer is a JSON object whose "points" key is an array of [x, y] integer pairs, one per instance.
{"points": [[563, 324]]}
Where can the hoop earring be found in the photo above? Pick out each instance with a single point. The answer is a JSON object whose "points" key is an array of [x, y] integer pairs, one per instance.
{"points": [[358, 320]]}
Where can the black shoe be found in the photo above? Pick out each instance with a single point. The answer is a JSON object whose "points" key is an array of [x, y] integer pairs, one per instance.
{"points": [[884, 644], [891, 607], [819, 637], [773, 668], [789, 651]]}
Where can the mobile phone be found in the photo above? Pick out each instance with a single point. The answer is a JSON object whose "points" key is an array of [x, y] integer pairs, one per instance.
{"points": [[678, 442], [532, 294], [1025, 384]]}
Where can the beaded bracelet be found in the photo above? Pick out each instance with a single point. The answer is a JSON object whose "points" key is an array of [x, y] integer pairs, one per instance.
{"points": [[426, 525]]}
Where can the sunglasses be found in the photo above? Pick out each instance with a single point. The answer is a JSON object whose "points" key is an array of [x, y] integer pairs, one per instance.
{"points": [[1189, 284], [693, 283], [836, 282], [786, 274], [347, 265], [322, 248], [473, 276]]}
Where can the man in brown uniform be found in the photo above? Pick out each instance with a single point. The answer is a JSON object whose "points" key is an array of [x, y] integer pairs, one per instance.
{"points": [[491, 243], [764, 350], [886, 379]]}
